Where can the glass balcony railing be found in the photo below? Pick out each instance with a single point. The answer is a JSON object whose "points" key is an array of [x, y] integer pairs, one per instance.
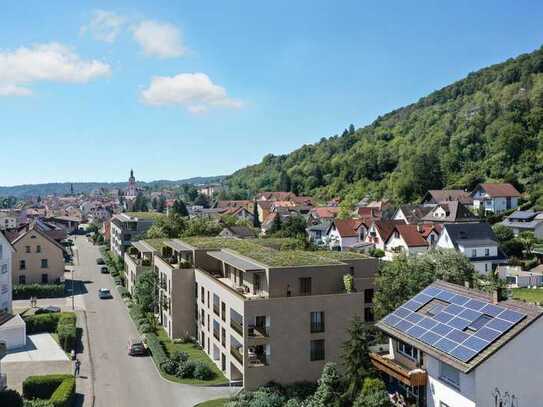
{"points": [[237, 326]]}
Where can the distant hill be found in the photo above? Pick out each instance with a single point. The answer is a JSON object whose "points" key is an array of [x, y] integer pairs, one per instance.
{"points": [[488, 126], [22, 191]]}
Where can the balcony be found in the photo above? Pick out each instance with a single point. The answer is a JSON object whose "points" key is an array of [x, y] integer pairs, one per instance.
{"points": [[237, 326], [257, 331], [216, 335], [237, 354], [258, 360], [216, 309], [411, 377]]}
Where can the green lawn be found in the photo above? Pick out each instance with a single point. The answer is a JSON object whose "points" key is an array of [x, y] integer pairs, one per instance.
{"points": [[213, 403], [195, 353], [528, 294]]}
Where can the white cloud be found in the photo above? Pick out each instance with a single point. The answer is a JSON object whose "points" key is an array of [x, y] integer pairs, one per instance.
{"points": [[194, 91], [104, 25], [45, 62], [159, 39]]}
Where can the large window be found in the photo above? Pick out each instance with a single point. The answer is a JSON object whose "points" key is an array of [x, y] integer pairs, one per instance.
{"points": [[408, 350], [317, 322], [317, 350], [22, 265], [44, 263], [449, 374], [305, 286]]}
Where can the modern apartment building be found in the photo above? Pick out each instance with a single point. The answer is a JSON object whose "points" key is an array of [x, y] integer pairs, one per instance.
{"points": [[451, 346], [262, 314], [137, 259], [6, 252], [37, 258], [128, 227]]}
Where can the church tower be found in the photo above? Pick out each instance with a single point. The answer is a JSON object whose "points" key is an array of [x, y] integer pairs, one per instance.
{"points": [[132, 190]]}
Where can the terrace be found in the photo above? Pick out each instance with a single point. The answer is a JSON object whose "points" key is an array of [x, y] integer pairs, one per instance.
{"points": [[383, 362]]}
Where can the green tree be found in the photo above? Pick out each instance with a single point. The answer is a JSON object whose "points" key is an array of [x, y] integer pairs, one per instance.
{"points": [[528, 241], [144, 291], [180, 208], [276, 225], [202, 200], [171, 226], [373, 394], [403, 277], [503, 233], [256, 219], [328, 393], [161, 205], [294, 226], [355, 357], [284, 182]]}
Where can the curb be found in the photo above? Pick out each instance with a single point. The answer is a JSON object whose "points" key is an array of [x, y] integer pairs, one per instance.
{"points": [[89, 354]]}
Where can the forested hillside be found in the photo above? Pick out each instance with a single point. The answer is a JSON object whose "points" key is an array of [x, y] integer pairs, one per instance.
{"points": [[488, 126]]}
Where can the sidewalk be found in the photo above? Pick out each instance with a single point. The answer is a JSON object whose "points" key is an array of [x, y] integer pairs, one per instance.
{"points": [[85, 381]]}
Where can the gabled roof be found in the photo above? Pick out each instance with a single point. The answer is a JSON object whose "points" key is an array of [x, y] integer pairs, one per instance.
{"points": [[34, 229], [369, 212], [443, 195], [455, 212], [427, 228], [503, 322], [347, 227], [522, 215], [386, 227], [470, 234], [415, 213], [3, 236], [325, 212], [410, 235], [498, 190], [241, 231], [233, 204]]}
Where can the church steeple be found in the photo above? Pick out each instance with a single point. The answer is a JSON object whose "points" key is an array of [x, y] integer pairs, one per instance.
{"points": [[131, 174]]}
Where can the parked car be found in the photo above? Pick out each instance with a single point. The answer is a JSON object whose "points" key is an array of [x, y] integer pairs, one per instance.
{"points": [[100, 261], [136, 347], [104, 293], [104, 270], [50, 309]]}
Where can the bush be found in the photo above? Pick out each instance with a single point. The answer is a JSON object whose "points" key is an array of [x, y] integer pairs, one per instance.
{"points": [[64, 394], [123, 292], [157, 351], [186, 370], [45, 322], [202, 371], [10, 398], [67, 332], [170, 366], [37, 403], [25, 291], [145, 328], [42, 387], [179, 357]]}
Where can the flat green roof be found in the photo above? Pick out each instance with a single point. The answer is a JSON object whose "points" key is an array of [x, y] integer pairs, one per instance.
{"points": [[146, 215], [342, 255], [260, 253], [157, 244]]}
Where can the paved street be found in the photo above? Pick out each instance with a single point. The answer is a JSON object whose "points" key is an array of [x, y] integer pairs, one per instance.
{"points": [[120, 380]]}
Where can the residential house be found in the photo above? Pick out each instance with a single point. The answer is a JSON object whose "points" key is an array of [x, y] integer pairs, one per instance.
{"points": [[242, 299], [412, 214], [6, 253], [406, 239], [515, 277], [240, 232], [476, 241], [240, 213], [495, 198], [525, 221], [455, 346], [431, 233], [316, 232], [38, 259], [323, 213], [7, 221], [449, 212], [435, 196], [128, 227], [343, 234], [380, 230], [210, 189]]}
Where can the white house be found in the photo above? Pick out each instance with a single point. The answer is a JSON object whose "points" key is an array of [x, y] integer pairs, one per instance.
{"points": [[407, 239], [379, 231], [412, 214], [344, 234], [7, 221], [449, 212], [525, 221], [6, 251], [458, 347], [476, 241], [495, 198]]}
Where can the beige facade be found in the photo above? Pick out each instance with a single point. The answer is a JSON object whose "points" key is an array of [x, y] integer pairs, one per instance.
{"points": [[137, 259], [37, 259], [260, 323]]}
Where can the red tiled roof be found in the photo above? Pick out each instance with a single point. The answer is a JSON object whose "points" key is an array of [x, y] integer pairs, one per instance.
{"points": [[233, 204], [326, 212], [348, 227], [427, 228], [386, 227], [411, 235], [499, 190], [369, 212]]}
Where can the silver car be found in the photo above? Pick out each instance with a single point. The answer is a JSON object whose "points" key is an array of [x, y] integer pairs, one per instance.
{"points": [[104, 294]]}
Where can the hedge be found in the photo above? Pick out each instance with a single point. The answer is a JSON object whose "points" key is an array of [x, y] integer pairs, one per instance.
{"points": [[67, 331], [64, 394], [10, 398], [157, 351], [46, 322], [25, 291], [42, 387]]}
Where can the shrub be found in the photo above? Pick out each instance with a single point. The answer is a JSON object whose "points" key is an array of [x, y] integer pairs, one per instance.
{"points": [[123, 292], [10, 398], [145, 328], [170, 366], [186, 370], [179, 357], [45, 322], [42, 387], [37, 403], [64, 394], [157, 351], [25, 291], [202, 371]]}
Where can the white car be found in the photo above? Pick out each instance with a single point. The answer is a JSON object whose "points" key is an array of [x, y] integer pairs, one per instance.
{"points": [[104, 293]]}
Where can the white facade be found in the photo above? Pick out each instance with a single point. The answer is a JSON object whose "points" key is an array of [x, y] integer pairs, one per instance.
{"points": [[6, 251], [396, 245], [493, 204], [514, 369], [13, 333], [335, 240], [7, 221]]}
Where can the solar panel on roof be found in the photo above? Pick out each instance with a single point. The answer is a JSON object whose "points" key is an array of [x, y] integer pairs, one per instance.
{"points": [[462, 328]]}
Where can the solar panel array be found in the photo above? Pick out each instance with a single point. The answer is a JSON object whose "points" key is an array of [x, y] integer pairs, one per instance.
{"points": [[461, 327]]}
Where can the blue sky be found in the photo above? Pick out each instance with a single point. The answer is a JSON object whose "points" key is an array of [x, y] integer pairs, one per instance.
{"points": [[178, 89]]}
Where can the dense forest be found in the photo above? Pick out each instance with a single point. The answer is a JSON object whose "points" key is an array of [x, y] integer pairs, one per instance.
{"points": [[486, 127]]}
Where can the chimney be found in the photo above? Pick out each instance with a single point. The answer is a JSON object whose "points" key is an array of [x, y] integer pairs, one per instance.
{"points": [[498, 294]]}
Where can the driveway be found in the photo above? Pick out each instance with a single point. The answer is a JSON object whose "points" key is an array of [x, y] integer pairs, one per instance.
{"points": [[120, 380], [39, 348]]}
